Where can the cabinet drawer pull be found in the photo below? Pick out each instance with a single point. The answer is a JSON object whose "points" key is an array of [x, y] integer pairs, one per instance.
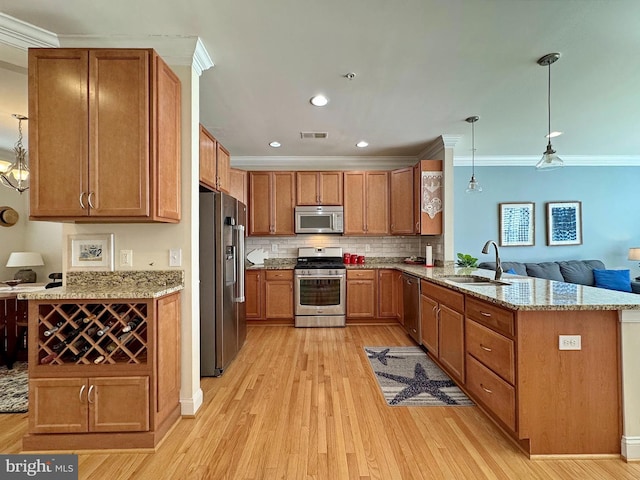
{"points": [[485, 389], [89, 394], [486, 349], [80, 200], [89, 199], [81, 390], [485, 314]]}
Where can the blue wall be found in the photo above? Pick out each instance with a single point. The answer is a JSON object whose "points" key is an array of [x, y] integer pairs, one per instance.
{"points": [[610, 211]]}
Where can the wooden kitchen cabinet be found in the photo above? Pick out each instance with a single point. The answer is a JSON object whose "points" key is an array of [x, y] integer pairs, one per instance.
{"points": [[214, 163], [403, 202], [104, 136], [83, 385], [238, 187], [279, 294], [361, 295], [82, 405], [366, 203], [428, 197], [319, 188], [254, 294], [388, 299], [271, 203], [442, 323]]}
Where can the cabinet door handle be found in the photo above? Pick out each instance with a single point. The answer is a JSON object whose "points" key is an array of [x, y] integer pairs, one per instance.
{"points": [[485, 389], [80, 200], [89, 199], [89, 394], [81, 391], [485, 314], [486, 349], [417, 226]]}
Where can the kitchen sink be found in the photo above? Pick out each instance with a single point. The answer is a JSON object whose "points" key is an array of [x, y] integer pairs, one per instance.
{"points": [[473, 280]]}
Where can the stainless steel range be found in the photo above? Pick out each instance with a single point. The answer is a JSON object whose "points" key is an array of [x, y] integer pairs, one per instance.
{"points": [[320, 288]]}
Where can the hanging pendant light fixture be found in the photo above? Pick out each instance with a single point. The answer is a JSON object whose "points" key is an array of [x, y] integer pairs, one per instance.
{"points": [[549, 160], [17, 175], [474, 186]]}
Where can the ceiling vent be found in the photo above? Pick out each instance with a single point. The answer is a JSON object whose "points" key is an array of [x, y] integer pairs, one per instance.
{"points": [[319, 135]]}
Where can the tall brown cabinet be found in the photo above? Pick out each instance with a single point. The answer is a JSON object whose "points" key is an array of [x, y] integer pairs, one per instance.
{"points": [[104, 136]]}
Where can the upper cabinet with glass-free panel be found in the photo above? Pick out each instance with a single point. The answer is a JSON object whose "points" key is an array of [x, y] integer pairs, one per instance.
{"points": [[104, 136]]}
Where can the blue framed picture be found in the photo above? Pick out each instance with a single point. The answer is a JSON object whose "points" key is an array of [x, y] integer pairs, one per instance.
{"points": [[517, 224], [564, 223]]}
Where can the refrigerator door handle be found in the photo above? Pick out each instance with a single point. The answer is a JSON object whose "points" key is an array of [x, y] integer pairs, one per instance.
{"points": [[239, 229]]}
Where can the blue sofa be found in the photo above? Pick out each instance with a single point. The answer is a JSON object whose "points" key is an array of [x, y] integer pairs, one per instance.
{"points": [[570, 271]]}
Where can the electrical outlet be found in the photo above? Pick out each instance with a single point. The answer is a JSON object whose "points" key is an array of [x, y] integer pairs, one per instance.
{"points": [[367, 247], [175, 257], [570, 342], [274, 247], [126, 258]]}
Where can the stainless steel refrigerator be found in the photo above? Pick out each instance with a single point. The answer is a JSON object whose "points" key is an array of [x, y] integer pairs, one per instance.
{"points": [[222, 309]]}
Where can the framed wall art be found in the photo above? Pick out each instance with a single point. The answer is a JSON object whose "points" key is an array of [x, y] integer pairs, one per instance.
{"points": [[517, 224], [90, 252], [564, 223]]}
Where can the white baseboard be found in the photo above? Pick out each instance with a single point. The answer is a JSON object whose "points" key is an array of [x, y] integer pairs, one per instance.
{"points": [[630, 448], [189, 406]]}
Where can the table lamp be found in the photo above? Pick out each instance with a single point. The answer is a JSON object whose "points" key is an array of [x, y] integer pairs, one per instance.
{"points": [[25, 259], [634, 253]]}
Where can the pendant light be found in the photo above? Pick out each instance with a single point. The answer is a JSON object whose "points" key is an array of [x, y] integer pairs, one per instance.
{"points": [[474, 186], [17, 175], [549, 160]]}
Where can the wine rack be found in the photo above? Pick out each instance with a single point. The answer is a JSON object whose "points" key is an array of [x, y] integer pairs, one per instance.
{"points": [[92, 333]]}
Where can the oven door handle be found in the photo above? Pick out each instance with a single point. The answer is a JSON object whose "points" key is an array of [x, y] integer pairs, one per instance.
{"points": [[319, 277]]}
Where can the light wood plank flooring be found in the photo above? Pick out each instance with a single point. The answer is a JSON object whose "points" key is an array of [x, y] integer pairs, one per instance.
{"points": [[303, 404]]}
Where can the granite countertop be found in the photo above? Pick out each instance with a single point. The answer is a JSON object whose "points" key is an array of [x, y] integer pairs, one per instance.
{"points": [[527, 293], [137, 284], [522, 293]]}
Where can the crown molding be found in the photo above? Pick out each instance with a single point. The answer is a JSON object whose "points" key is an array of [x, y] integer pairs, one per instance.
{"points": [[450, 141], [531, 160], [321, 163], [186, 50], [18, 34]]}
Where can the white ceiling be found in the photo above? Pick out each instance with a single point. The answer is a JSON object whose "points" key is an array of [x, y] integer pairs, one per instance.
{"points": [[422, 67]]}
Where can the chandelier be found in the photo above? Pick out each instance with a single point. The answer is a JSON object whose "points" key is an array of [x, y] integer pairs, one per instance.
{"points": [[16, 176]]}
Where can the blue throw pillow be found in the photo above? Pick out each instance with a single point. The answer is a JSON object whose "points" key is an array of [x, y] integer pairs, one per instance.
{"points": [[613, 279], [511, 271]]}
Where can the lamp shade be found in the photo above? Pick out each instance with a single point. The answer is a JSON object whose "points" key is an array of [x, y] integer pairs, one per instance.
{"points": [[634, 253], [25, 259]]}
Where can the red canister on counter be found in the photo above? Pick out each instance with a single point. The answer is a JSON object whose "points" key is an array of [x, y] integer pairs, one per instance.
{"points": [[353, 259], [361, 259], [346, 258]]}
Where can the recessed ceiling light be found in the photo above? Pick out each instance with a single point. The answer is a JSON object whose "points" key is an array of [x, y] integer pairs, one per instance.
{"points": [[319, 100], [275, 144], [362, 144], [553, 134]]}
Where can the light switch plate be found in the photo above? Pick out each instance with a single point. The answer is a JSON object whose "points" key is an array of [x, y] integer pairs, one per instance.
{"points": [[175, 257], [126, 258], [570, 342]]}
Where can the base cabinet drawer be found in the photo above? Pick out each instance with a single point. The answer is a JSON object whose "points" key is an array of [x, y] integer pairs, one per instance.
{"points": [[492, 349], [492, 391]]}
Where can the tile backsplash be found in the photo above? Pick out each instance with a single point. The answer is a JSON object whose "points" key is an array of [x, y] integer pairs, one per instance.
{"points": [[391, 246]]}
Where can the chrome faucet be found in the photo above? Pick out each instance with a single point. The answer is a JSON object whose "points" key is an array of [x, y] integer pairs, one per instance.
{"points": [[485, 250]]}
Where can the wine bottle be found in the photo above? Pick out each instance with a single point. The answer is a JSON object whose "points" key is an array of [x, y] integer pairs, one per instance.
{"points": [[49, 358], [132, 325], [106, 328], [98, 359], [54, 329], [69, 338]]}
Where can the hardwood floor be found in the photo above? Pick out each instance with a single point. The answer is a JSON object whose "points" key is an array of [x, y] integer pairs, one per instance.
{"points": [[303, 404]]}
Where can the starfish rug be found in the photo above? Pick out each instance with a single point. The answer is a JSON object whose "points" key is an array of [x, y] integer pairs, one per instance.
{"points": [[14, 388], [409, 378]]}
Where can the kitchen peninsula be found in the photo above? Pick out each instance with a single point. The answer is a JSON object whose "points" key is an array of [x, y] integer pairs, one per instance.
{"points": [[549, 362]]}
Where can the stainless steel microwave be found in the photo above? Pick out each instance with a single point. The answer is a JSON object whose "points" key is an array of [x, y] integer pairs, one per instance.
{"points": [[320, 219]]}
